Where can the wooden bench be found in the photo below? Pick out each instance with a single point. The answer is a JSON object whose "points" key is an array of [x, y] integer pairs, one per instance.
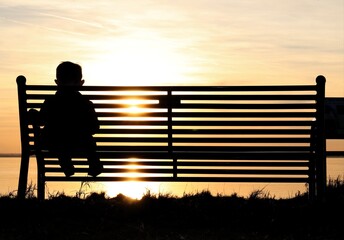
{"points": [[192, 134]]}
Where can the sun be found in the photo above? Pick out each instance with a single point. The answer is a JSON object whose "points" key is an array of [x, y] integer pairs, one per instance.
{"points": [[133, 106], [133, 189], [136, 63]]}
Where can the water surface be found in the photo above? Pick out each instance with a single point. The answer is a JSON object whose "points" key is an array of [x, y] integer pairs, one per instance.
{"points": [[9, 175]]}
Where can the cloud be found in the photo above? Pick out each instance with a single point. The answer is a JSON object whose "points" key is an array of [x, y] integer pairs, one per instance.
{"points": [[217, 34], [91, 24]]}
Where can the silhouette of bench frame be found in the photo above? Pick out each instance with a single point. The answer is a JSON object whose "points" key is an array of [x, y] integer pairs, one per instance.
{"points": [[262, 133]]}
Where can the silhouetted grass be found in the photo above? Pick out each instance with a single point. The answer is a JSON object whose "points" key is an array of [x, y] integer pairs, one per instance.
{"points": [[164, 216]]}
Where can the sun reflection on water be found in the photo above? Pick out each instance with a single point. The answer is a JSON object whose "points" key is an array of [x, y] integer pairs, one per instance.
{"points": [[132, 189]]}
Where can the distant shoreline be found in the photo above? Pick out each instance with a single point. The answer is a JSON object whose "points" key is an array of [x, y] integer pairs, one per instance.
{"points": [[10, 155], [330, 154]]}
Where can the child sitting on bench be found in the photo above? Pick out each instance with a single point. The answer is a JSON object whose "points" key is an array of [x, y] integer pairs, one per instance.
{"points": [[69, 121]]}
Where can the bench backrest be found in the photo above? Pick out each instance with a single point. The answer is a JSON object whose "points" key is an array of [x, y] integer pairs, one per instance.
{"points": [[198, 133]]}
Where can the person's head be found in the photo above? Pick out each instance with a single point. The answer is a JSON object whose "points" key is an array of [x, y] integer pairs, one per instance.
{"points": [[69, 74]]}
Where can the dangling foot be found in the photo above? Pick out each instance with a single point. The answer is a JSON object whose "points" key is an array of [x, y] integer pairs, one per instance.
{"points": [[95, 170], [67, 166], [69, 171]]}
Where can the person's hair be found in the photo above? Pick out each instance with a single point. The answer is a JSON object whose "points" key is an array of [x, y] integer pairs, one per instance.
{"points": [[68, 72]]}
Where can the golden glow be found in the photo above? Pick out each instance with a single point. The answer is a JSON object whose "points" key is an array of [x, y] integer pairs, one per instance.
{"points": [[132, 101], [134, 106], [170, 43], [132, 189], [132, 173], [134, 109], [136, 62]]}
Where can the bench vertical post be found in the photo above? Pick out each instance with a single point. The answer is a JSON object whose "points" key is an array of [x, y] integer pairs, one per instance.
{"points": [[23, 121], [320, 164], [170, 133], [34, 115]]}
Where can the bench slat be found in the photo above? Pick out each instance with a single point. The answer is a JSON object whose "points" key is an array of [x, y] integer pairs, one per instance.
{"points": [[252, 97], [209, 171], [181, 88], [204, 139], [182, 179], [190, 163], [228, 123], [210, 114], [199, 155], [156, 152], [133, 122], [200, 131], [233, 106], [244, 149], [195, 163], [238, 140], [132, 115], [249, 106], [244, 131], [131, 139], [132, 131]]}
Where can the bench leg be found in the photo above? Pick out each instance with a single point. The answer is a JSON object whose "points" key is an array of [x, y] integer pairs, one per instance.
{"points": [[24, 169], [40, 177], [40, 187]]}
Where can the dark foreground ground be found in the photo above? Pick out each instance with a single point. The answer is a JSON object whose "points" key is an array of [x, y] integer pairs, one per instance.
{"points": [[198, 216]]}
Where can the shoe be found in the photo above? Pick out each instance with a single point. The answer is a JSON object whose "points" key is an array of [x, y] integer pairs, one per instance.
{"points": [[69, 171], [67, 166], [95, 170]]}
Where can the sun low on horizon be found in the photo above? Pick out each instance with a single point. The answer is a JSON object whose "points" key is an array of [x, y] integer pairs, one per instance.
{"points": [[181, 43], [160, 43], [131, 188], [137, 63]]}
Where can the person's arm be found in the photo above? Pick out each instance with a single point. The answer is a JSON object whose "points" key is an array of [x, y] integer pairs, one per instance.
{"points": [[93, 119]]}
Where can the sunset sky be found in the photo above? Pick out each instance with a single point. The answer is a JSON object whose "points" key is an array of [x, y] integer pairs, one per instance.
{"points": [[203, 42]]}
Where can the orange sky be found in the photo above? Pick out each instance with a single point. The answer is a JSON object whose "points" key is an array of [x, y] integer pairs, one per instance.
{"points": [[155, 42]]}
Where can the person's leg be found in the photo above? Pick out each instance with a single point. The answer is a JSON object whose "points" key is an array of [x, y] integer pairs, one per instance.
{"points": [[95, 165], [66, 164]]}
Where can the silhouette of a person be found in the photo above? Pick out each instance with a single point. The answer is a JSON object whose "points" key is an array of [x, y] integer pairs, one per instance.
{"points": [[69, 121]]}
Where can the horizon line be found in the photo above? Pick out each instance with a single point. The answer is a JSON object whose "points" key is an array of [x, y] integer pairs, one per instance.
{"points": [[10, 154]]}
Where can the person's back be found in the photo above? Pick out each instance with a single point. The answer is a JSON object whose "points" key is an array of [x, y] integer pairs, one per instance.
{"points": [[70, 120]]}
